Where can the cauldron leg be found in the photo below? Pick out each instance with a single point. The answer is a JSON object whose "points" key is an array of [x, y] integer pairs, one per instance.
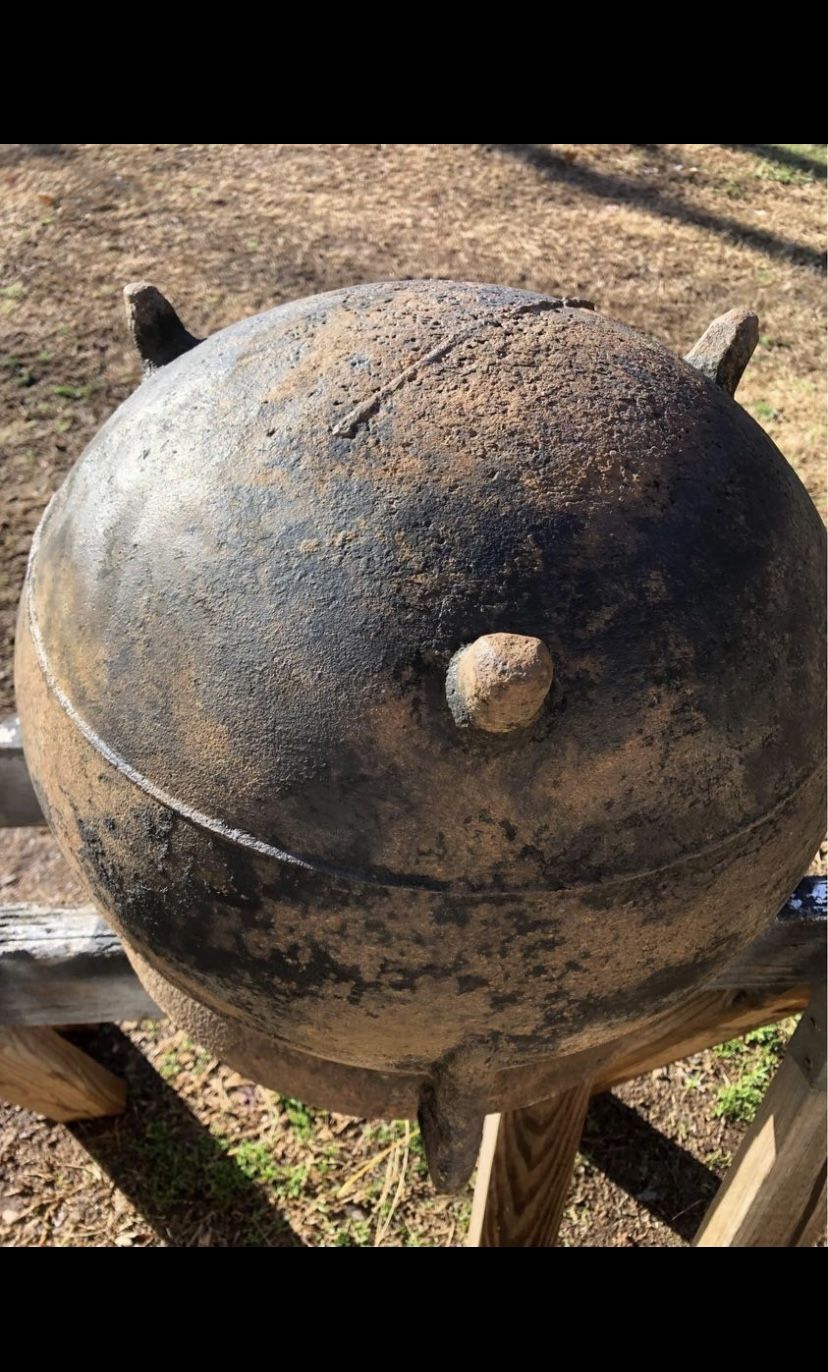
{"points": [[451, 1116]]}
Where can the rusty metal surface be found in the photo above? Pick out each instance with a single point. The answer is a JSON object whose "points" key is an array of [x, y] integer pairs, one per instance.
{"points": [[725, 348], [155, 329], [499, 682], [232, 657]]}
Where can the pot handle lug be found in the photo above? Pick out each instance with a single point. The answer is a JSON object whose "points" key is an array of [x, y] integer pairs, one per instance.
{"points": [[451, 1115], [156, 329], [725, 348]]}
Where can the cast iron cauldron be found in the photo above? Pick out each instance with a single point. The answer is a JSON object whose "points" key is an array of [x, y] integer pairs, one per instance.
{"points": [[426, 679]]}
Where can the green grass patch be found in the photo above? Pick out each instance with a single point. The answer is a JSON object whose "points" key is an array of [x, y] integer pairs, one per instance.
{"points": [[255, 1161], [787, 173], [817, 152], [299, 1117], [354, 1234], [72, 392], [756, 1058], [169, 1065], [763, 411], [178, 1169]]}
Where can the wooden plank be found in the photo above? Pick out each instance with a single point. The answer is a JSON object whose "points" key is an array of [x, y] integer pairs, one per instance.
{"points": [[19, 806], [814, 1226], [533, 1154], [488, 1143], [771, 1196], [792, 950], [697, 1024], [43, 1072], [65, 966]]}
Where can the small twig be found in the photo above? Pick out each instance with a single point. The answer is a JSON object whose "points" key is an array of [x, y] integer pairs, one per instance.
{"points": [[390, 1176], [382, 1229], [693, 1206], [368, 1166]]}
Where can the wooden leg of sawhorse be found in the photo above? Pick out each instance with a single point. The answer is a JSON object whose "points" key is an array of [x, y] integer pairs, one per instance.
{"points": [[43, 1072], [525, 1170], [774, 1194], [527, 1155]]}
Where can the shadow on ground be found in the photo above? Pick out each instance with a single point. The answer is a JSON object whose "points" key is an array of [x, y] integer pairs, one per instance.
{"points": [[174, 1171], [556, 167], [785, 157], [658, 1173]]}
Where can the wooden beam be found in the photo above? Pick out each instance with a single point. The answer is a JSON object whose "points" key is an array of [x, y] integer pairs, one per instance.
{"points": [[43, 1072], [699, 1023], [792, 949], [814, 1228], [485, 1161], [509, 1169], [773, 1195], [19, 806], [65, 966], [524, 1181]]}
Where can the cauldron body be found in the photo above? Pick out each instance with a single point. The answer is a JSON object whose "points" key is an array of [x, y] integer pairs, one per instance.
{"points": [[239, 615]]}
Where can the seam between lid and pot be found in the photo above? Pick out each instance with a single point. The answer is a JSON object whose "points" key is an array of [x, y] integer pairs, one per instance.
{"points": [[240, 838]]}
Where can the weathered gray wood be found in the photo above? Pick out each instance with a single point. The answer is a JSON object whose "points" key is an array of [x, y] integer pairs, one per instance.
{"points": [[792, 950], [19, 807], [65, 966]]}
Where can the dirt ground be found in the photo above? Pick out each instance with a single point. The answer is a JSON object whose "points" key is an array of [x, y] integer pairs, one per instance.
{"points": [[662, 236]]}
